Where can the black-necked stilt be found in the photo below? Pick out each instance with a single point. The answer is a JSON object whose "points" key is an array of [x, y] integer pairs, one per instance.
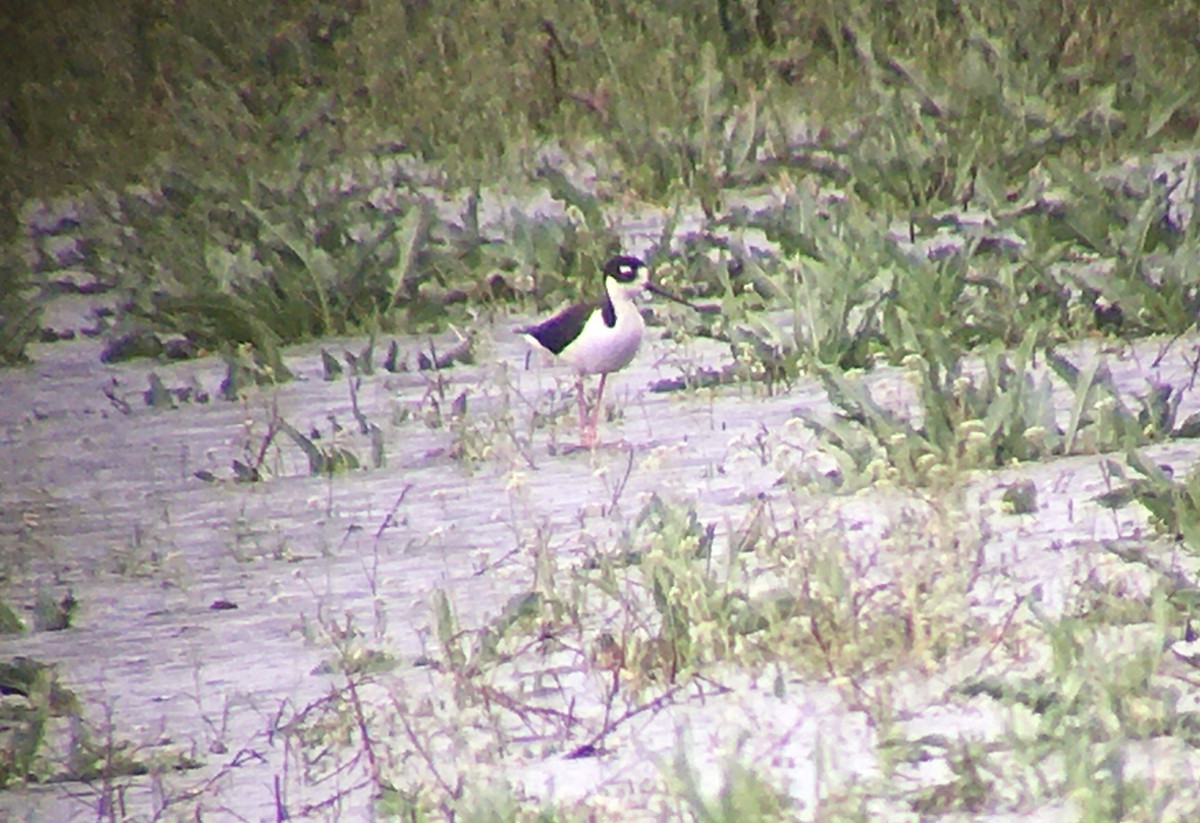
{"points": [[601, 336]]}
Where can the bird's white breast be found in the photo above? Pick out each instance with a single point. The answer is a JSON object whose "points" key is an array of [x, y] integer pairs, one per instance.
{"points": [[600, 349]]}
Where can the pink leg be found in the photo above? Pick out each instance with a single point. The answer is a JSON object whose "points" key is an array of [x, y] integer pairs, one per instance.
{"points": [[587, 436], [598, 407]]}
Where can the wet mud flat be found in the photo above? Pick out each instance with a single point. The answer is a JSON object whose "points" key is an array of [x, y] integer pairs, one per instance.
{"points": [[209, 609]]}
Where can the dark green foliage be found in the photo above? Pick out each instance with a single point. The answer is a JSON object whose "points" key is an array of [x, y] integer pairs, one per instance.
{"points": [[1173, 505], [949, 91], [34, 696], [1020, 498], [18, 314]]}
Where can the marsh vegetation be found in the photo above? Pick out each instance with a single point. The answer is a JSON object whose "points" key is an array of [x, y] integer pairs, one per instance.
{"points": [[907, 530]]}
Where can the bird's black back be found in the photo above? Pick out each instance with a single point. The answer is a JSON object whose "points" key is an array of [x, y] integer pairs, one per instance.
{"points": [[558, 331]]}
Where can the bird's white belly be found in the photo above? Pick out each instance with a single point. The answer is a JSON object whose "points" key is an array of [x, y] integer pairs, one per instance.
{"points": [[600, 349]]}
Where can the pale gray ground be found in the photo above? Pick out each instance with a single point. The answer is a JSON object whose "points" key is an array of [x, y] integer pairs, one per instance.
{"points": [[106, 503]]}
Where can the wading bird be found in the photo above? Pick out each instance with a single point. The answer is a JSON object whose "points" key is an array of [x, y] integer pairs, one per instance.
{"points": [[600, 336]]}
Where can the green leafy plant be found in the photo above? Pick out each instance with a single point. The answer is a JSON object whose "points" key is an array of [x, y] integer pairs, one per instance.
{"points": [[966, 422], [1173, 505], [971, 420], [24, 753], [1136, 220], [1088, 708], [744, 795], [18, 314]]}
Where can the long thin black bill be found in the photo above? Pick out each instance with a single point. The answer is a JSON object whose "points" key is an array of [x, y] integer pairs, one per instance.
{"points": [[664, 293]]}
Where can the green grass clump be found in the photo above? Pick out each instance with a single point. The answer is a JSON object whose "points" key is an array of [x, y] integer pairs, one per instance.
{"points": [[18, 314], [1173, 505], [46, 737]]}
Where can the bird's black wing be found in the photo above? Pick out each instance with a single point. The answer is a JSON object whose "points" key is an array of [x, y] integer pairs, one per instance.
{"points": [[556, 332]]}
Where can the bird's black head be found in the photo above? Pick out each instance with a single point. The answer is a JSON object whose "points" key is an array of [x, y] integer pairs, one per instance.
{"points": [[623, 268]]}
